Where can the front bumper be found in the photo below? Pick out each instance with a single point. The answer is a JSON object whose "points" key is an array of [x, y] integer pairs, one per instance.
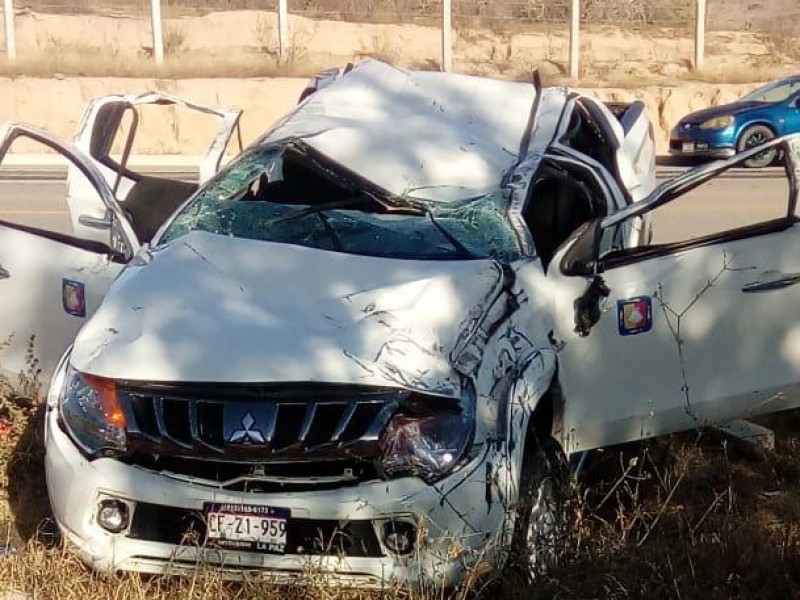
{"points": [[696, 142], [702, 152], [459, 525]]}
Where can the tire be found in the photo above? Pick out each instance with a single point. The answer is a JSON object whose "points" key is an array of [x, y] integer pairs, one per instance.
{"points": [[753, 136], [539, 527]]}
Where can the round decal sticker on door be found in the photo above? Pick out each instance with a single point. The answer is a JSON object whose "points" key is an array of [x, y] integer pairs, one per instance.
{"points": [[635, 315]]}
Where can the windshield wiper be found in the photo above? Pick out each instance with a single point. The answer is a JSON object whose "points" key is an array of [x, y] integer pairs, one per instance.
{"points": [[461, 249], [337, 241], [398, 207]]}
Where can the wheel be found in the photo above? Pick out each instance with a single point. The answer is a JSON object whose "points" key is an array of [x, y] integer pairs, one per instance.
{"points": [[540, 522], [755, 136]]}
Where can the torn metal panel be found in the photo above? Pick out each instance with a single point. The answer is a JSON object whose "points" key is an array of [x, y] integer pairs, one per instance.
{"points": [[624, 141], [599, 173], [430, 135], [587, 306], [102, 124], [534, 380], [482, 320], [633, 232], [514, 352], [86, 137], [518, 181]]}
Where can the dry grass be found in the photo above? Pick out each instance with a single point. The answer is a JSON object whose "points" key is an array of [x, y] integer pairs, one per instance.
{"points": [[488, 34], [784, 36], [497, 13], [59, 575], [174, 40], [687, 516], [740, 74], [682, 517], [91, 61], [181, 63], [594, 75]]}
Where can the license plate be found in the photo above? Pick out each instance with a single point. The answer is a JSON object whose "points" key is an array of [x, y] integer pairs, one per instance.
{"points": [[245, 527], [688, 147]]}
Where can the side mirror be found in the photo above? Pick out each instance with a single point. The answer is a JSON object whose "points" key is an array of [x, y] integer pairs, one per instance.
{"points": [[581, 258]]}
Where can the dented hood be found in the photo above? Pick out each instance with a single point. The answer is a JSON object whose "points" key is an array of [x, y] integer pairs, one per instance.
{"points": [[208, 308]]}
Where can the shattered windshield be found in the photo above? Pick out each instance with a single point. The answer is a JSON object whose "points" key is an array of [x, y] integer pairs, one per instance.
{"points": [[281, 194]]}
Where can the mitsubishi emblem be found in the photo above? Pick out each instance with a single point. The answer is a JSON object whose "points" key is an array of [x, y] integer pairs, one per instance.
{"points": [[248, 434]]}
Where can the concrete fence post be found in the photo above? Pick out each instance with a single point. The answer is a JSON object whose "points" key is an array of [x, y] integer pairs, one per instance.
{"points": [[158, 31], [575, 40], [11, 41], [447, 35], [700, 35], [283, 29]]}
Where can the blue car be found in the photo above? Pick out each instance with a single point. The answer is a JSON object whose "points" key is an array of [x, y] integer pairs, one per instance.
{"points": [[771, 111]]}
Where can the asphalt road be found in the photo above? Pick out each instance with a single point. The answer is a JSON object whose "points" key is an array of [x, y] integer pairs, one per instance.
{"points": [[744, 197], [738, 199], [37, 203]]}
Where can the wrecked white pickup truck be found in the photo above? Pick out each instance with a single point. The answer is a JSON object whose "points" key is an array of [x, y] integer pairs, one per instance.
{"points": [[367, 344]]}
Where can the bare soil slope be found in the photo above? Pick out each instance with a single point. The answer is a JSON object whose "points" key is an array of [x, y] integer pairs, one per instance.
{"points": [[264, 100], [244, 43]]}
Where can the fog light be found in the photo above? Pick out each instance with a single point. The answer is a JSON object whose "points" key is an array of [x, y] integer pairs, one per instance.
{"points": [[702, 146], [400, 537], [112, 515]]}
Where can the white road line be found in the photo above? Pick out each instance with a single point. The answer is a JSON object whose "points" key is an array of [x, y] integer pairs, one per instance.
{"points": [[24, 213]]}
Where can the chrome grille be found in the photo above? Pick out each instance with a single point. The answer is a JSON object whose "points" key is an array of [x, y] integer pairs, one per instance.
{"points": [[261, 424]]}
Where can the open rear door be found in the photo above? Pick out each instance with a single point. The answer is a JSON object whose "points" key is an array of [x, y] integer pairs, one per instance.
{"points": [[51, 278], [629, 133], [616, 141], [107, 135]]}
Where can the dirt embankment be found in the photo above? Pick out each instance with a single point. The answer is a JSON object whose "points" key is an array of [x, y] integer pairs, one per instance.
{"points": [[63, 56], [239, 43], [57, 105]]}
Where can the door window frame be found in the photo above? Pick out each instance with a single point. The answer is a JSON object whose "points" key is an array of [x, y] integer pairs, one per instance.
{"points": [[593, 251], [123, 243]]}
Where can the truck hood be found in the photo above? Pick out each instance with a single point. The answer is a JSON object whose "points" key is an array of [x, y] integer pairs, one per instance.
{"points": [[735, 108], [208, 308]]}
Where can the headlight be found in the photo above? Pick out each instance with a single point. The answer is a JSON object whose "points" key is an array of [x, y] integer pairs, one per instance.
{"points": [[428, 436], [91, 413], [718, 123]]}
